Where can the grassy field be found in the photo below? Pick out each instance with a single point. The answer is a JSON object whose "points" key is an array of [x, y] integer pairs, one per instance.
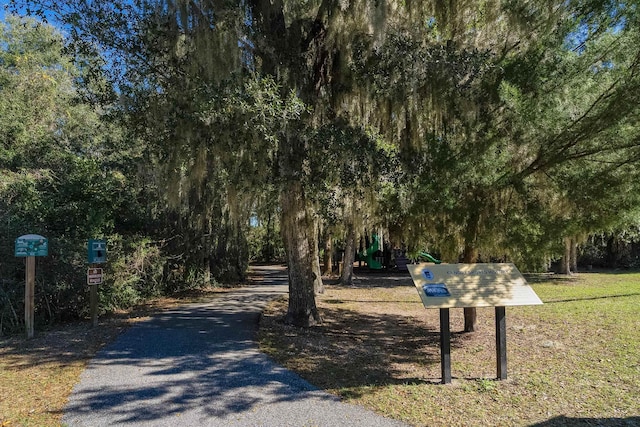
{"points": [[573, 361]]}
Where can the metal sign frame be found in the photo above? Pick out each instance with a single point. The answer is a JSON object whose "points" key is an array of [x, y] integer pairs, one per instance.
{"points": [[471, 285], [446, 286]]}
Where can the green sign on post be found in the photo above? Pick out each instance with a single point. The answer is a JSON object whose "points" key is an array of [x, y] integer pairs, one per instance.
{"points": [[96, 254], [31, 245], [97, 251]]}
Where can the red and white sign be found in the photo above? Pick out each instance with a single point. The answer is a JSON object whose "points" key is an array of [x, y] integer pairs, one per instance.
{"points": [[94, 276]]}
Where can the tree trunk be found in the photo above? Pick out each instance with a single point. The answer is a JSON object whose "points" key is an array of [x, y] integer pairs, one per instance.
{"points": [[470, 313], [574, 255], [318, 286], [268, 247], [328, 255], [349, 257], [299, 234], [565, 262]]}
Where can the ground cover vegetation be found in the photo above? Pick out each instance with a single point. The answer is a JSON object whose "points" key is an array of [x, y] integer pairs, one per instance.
{"points": [[177, 129]]}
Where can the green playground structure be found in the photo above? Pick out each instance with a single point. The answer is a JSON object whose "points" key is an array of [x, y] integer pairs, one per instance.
{"points": [[429, 258], [374, 263], [374, 257]]}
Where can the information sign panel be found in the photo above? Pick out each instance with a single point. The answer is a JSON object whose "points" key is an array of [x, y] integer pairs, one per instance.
{"points": [[97, 251], [31, 245], [94, 276], [471, 285]]}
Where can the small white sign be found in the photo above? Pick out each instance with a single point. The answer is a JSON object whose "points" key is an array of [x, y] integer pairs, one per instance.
{"points": [[94, 276]]}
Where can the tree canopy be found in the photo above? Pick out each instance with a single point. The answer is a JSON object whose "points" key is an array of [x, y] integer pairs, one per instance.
{"points": [[479, 128]]}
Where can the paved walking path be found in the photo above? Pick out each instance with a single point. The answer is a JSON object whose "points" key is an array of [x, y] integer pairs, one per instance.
{"points": [[199, 365]]}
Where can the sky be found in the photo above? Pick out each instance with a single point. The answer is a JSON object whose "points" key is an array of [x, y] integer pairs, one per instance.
{"points": [[4, 5]]}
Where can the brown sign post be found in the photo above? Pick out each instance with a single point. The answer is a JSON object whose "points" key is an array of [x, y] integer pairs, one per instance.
{"points": [[96, 254], [94, 278], [446, 286], [29, 292], [30, 246]]}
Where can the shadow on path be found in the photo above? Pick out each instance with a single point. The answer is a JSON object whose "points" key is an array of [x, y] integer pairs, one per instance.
{"points": [[199, 365]]}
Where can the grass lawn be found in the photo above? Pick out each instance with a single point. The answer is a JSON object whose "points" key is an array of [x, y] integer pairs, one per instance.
{"points": [[37, 376], [573, 361]]}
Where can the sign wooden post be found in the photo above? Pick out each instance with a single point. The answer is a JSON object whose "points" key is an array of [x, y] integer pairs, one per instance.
{"points": [[29, 293], [30, 246], [446, 286], [94, 278], [96, 254], [93, 304]]}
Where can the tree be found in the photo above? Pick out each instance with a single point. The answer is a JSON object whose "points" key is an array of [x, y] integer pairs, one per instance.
{"points": [[508, 116], [62, 169], [472, 95]]}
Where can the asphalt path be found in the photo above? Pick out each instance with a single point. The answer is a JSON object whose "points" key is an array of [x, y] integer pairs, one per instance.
{"points": [[199, 365]]}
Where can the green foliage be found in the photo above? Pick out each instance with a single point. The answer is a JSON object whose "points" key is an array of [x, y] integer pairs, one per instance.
{"points": [[135, 272], [64, 175], [481, 130], [530, 141], [265, 242], [222, 166], [613, 249]]}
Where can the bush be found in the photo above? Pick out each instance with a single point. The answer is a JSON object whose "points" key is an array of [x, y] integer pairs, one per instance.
{"points": [[134, 272]]}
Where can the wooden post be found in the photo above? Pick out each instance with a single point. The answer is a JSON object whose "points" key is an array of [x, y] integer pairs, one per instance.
{"points": [[445, 346], [29, 292], [93, 304], [501, 342]]}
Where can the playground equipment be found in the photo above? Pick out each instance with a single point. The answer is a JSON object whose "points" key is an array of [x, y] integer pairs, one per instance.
{"points": [[429, 258], [377, 258], [401, 259], [373, 255]]}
